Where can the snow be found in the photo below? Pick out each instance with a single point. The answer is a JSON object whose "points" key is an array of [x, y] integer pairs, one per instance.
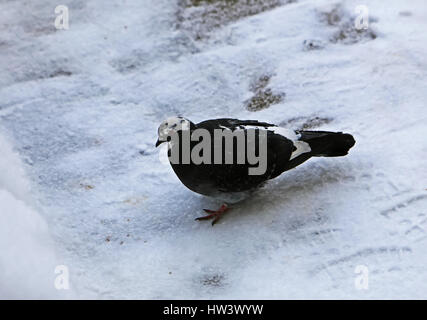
{"points": [[85, 187], [28, 259]]}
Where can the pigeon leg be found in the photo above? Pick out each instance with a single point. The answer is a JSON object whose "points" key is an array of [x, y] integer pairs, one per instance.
{"points": [[215, 215]]}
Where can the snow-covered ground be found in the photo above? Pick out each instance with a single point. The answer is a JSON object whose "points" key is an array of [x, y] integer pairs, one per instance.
{"points": [[83, 186]]}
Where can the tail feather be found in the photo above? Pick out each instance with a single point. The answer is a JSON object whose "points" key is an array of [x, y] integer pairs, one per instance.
{"points": [[328, 144]]}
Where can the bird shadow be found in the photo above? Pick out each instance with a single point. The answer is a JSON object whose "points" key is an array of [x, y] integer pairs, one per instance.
{"points": [[287, 202], [300, 194]]}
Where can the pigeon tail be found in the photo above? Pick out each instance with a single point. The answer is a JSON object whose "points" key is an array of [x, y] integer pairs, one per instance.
{"points": [[328, 144]]}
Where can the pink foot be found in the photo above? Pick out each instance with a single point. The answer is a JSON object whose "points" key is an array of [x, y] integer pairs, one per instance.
{"points": [[215, 215]]}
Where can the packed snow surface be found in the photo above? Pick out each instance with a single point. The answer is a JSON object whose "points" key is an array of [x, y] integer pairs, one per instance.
{"points": [[82, 185]]}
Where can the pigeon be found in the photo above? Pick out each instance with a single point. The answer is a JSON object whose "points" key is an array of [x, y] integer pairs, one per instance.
{"points": [[232, 181]]}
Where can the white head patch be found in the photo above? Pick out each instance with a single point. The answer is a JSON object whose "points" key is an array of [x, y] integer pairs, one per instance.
{"points": [[171, 125]]}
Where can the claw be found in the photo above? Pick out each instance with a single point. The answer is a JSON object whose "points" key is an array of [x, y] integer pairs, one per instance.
{"points": [[215, 215], [209, 211]]}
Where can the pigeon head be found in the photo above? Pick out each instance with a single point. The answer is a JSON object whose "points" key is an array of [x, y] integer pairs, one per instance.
{"points": [[170, 126]]}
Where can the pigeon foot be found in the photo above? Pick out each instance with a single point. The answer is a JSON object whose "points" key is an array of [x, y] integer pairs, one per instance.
{"points": [[215, 215]]}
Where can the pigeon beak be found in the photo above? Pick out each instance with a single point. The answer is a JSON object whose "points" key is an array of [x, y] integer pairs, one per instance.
{"points": [[158, 143]]}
